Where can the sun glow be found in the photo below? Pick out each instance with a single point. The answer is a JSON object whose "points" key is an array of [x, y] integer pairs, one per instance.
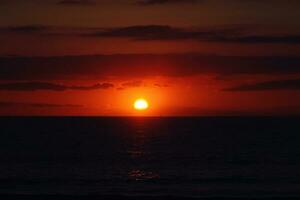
{"points": [[141, 104]]}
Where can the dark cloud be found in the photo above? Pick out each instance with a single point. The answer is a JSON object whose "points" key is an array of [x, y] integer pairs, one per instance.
{"points": [[292, 84], [93, 87], [34, 86], [237, 34], [160, 32], [76, 2], [242, 34], [159, 2], [268, 1], [26, 29], [132, 84], [37, 105], [31, 28], [256, 39], [140, 65]]}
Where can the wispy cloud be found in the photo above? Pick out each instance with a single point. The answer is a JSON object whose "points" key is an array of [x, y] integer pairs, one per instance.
{"points": [[25, 29], [76, 2], [37, 105], [256, 39], [132, 84], [136, 65], [290, 84], [160, 2], [233, 35], [242, 34], [164, 32], [34, 86]]}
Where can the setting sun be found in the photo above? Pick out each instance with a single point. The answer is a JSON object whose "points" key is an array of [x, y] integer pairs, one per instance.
{"points": [[141, 104]]}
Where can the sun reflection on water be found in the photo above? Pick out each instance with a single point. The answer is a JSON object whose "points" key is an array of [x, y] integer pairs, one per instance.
{"points": [[140, 175], [139, 153]]}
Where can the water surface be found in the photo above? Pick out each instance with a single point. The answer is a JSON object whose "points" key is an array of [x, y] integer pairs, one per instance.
{"points": [[193, 157]]}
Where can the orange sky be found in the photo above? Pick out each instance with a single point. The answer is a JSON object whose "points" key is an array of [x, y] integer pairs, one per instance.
{"points": [[92, 57]]}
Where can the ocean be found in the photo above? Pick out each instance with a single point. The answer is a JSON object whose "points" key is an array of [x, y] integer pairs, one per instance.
{"points": [[192, 157]]}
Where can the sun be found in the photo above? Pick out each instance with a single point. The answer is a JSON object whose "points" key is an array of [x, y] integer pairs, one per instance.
{"points": [[141, 104]]}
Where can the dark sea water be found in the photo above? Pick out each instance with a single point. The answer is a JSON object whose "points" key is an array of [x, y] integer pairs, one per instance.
{"points": [[191, 157]]}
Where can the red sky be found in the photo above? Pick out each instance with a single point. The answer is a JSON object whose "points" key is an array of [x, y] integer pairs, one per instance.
{"points": [[192, 57]]}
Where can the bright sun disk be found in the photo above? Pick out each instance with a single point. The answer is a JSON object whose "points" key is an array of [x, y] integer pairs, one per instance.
{"points": [[141, 104]]}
